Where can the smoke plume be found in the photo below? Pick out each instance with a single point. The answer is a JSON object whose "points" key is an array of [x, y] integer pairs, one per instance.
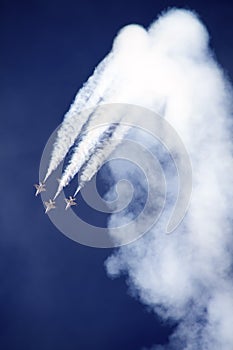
{"points": [[187, 276]]}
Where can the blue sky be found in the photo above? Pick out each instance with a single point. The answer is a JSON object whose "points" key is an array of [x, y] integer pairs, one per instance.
{"points": [[54, 293]]}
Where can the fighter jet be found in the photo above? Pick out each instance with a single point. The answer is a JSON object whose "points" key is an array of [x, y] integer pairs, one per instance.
{"points": [[39, 188], [49, 205], [70, 201]]}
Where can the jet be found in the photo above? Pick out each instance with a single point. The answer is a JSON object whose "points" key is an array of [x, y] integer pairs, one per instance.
{"points": [[49, 205], [39, 188], [70, 201]]}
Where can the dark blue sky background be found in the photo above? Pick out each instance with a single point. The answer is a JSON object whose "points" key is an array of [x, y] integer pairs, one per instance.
{"points": [[54, 293]]}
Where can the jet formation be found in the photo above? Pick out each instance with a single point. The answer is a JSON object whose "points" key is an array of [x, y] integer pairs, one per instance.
{"points": [[71, 201]]}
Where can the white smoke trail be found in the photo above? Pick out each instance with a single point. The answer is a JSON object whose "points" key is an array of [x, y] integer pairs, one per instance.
{"points": [[114, 84], [105, 86], [188, 276], [102, 153], [93, 134], [81, 154], [90, 95]]}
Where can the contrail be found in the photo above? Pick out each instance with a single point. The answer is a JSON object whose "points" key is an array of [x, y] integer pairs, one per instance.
{"points": [[101, 154], [82, 153], [107, 85], [94, 134], [90, 95]]}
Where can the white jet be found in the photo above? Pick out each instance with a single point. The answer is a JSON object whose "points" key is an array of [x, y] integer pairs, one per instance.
{"points": [[40, 187], [49, 205], [70, 201]]}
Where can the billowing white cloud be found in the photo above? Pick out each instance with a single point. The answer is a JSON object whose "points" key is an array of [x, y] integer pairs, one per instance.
{"points": [[187, 276]]}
